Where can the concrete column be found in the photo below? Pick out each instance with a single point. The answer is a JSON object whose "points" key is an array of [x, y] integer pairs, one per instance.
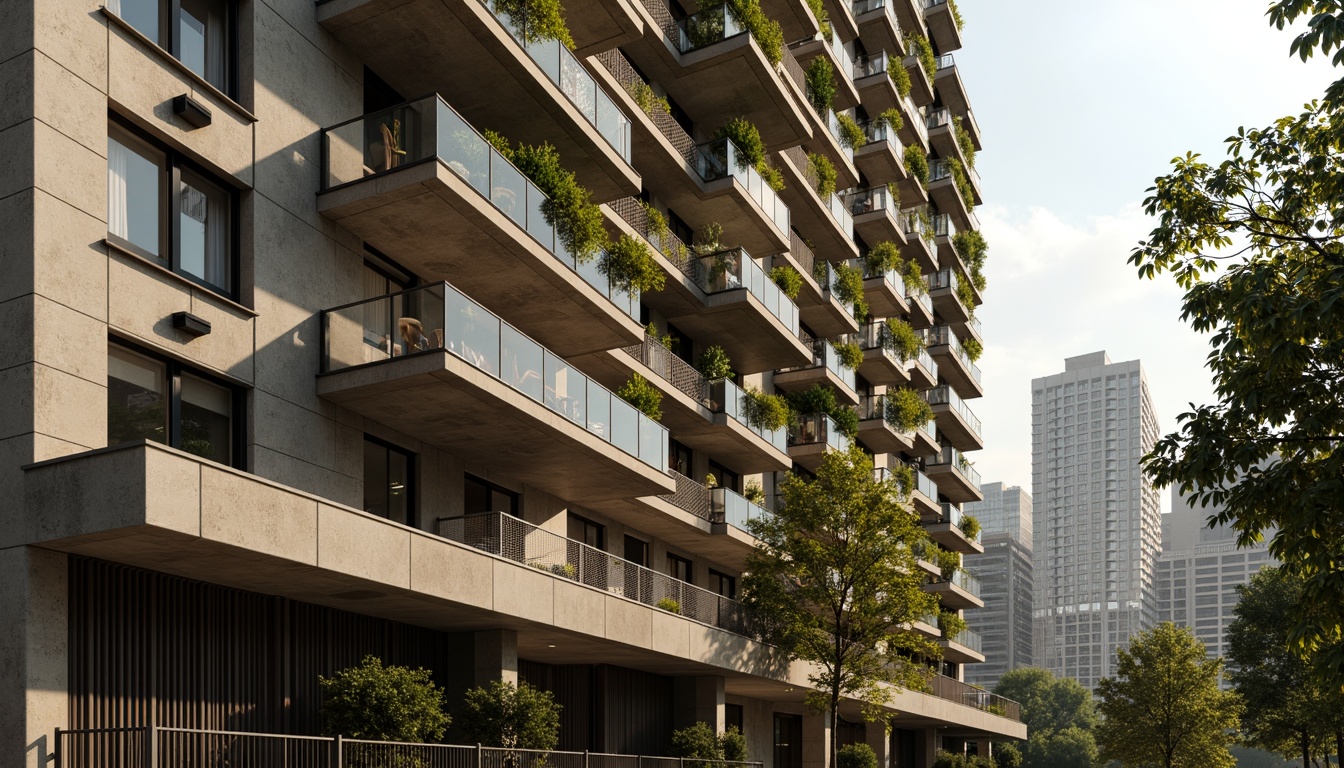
{"points": [[816, 740], [33, 642], [930, 747], [698, 699], [496, 656], [878, 737]]}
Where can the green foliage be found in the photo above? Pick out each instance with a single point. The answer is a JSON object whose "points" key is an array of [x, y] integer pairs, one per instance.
{"points": [[731, 741], [956, 14], [966, 295], [903, 339], [705, 749], [851, 135], [819, 399], [766, 411], [891, 118], [753, 492], [745, 135], [824, 172], [646, 99], [499, 142], [835, 571], [379, 703], [820, 84], [846, 421], [1257, 243], [919, 46], [638, 392], [973, 249], [899, 77], [630, 266], [917, 164], [514, 717], [765, 30], [882, 258], [714, 363], [973, 349], [1007, 755], [964, 141], [951, 624], [651, 331], [1059, 716], [906, 409], [568, 207], [849, 352], [948, 562], [856, 756], [1164, 707], [788, 280], [537, 20], [962, 182], [970, 526], [818, 8], [848, 288], [945, 759], [669, 605], [914, 279]]}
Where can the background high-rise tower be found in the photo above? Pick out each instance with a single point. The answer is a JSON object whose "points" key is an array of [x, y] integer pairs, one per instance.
{"points": [[1005, 573], [1097, 529]]}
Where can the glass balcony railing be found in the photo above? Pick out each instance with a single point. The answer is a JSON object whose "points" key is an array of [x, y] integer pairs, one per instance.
{"points": [[873, 64], [966, 581], [732, 508], [951, 456], [712, 25], [946, 61], [943, 226], [833, 125], [926, 486], [825, 274], [945, 395], [429, 129], [918, 226], [878, 336], [438, 317], [976, 328], [943, 335], [871, 200], [733, 269], [941, 169], [861, 7], [817, 429], [879, 131], [914, 117], [727, 398], [825, 356], [930, 428], [968, 638], [842, 55], [873, 407], [894, 280], [563, 69], [951, 514], [720, 159], [929, 365], [924, 300]]}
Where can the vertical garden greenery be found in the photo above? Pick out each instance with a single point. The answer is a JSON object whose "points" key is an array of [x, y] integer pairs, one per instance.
{"points": [[819, 77], [537, 19], [743, 133]]}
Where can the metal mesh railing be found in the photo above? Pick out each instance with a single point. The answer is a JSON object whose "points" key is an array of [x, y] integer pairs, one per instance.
{"points": [[670, 368], [632, 212], [690, 496], [801, 252], [620, 68], [508, 537], [954, 690]]}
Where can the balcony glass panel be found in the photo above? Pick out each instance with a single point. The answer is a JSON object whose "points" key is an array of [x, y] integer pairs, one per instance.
{"points": [[825, 356], [833, 125], [945, 395], [944, 335], [817, 429], [925, 301], [423, 130], [927, 362], [873, 199], [873, 64], [861, 7], [951, 514], [951, 456], [917, 226], [925, 486], [720, 158], [878, 336], [711, 25], [727, 398], [730, 507], [915, 117], [438, 317], [734, 269]]}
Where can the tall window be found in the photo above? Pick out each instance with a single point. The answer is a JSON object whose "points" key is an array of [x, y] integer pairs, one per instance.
{"points": [[678, 567], [588, 532], [482, 496], [200, 33], [723, 584], [637, 551], [389, 487], [160, 207], [155, 399]]}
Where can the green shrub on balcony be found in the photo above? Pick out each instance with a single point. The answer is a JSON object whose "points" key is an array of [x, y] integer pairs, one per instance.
{"points": [[643, 395], [856, 756], [537, 20], [883, 258], [970, 526], [951, 624], [848, 288], [823, 174], [629, 264], [670, 605], [765, 411], [789, 281], [919, 47], [753, 492], [891, 118], [743, 133], [714, 363], [961, 180], [956, 14], [851, 135], [900, 78], [764, 29], [917, 164], [906, 409], [849, 352], [568, 207], [819, 78], [818, 9], [966, 295], [651, 331], [903, 339], [914, 279], [972, 248], [948, 562], [964, 141], [510, 716], [646, 99], [819, 399], [383, 703], [973, 349]]}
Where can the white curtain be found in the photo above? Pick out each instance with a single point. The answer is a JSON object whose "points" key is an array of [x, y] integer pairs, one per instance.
{"points": [[117, 219], [218, 266]]}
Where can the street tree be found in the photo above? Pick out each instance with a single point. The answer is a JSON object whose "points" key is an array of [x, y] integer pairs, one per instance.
{"points": [[1059, 715], [1164, 706], [1257, 242], [837, 575]]}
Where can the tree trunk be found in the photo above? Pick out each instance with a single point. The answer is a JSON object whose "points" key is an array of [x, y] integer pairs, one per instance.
{"points": [[835, 725], [1339, 747], [1306, 750]]}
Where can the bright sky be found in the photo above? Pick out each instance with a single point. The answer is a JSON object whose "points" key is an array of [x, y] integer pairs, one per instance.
{"points": [[1082, 103]]}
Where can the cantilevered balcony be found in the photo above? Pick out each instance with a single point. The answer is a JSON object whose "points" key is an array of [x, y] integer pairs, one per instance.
{"points": [[732, 444], [882, 158], [921, 307], [794, 16], [824, 369], [437, 366], [877, 215], [944, 25], [962, 648], [947, 193], [944, 287], [872, 77], [921, 84], [418, 183], [819, 307], [827, 221], [956, 422], [679, 176], [878, 430], [953, 94], [923, 371], [954, 362], [926, 439], [535, 92], [924, 496], [943, 139], [885, 293], [883, 365], [746, 313], [960, 591], [840, 59], [947, 531], [714, 69], [909, 14], [812, 438], [914, 130], [878, 26], [956, 478], [712, 522], [842, 18], [921, 244]]}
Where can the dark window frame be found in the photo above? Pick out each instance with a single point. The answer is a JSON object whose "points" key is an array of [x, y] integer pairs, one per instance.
{"points": [[719, 577], [645, 549], [173, 371], [412, 477], [170, 212], [678, 559], [169, 39], [515, 497]]}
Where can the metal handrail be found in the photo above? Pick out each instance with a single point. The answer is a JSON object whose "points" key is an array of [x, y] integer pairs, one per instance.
{"points": [[945, 395], [670, 368]]}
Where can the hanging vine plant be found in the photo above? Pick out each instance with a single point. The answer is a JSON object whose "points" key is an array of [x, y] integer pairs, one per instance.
{"points": [[973, 349], [744, 134], [537, 20], [914, 278], [823, 172], [848, 288], [852, 135], [917, 164], [629, 265], [919, 47]]}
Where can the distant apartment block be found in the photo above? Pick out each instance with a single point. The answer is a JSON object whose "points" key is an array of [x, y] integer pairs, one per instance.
{"points": [[1097, 519]]}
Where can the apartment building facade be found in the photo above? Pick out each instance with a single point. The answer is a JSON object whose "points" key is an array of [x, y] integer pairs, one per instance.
{"points": [[1097, 527], [1005, 571], [302, 368]]}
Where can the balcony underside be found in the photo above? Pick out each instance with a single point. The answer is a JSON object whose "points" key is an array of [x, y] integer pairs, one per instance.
{"points": [[921, 88], [827, 319], [660, 517], [806, 378], [949, 200], [948, 306], [924, 444], [600, 25], [810, 215], [927, 630], [954, 427], [878, 93], [444, 401], [925, 507], [846, 96], [952, 370], [879, 32], [910, 14], [882, 370], [953, 93], [795, 18], [879, 226], [457, 49], [880, 437], [809, 455], [943, 142], [960, 654], [754, 339], [920, 377], [426, 218], [884, 299], [917, 249], [881, 162], [953, 596], [952, 538], [842, 18], [943, 27], [921, 317], [968, 330], [952, 484], [913, 192], [731, 78]]}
